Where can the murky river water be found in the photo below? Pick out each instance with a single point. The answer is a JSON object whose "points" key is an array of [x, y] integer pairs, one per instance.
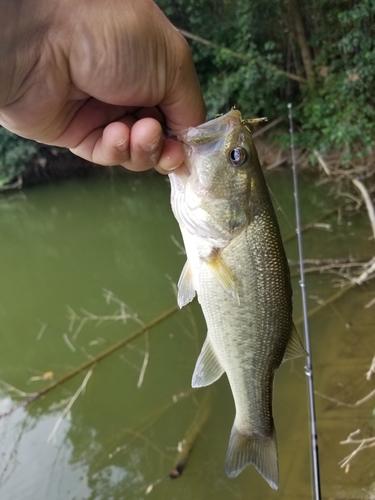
{"points": [[86, 263]]}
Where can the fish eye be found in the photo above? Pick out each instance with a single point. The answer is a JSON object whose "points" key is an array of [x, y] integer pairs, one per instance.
{"points": [[237, 156]]}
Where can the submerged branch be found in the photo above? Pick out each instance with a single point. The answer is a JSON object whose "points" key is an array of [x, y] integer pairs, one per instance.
{"points": [[68, 407], [363, 444], [371, 370], [90, 362], [327, 302], [312, 224], [326, 265], [186, 445], [342, 403]]}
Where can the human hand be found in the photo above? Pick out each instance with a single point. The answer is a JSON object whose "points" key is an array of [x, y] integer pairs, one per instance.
{"points": [[100, 78]]}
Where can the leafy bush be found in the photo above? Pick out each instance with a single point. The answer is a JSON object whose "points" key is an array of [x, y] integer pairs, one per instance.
{"points": [[340, 111], [15, 152], [256, 45]]}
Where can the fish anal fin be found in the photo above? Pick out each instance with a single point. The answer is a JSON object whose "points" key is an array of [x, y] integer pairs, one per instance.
{"points": [[295, 348], [186, 290], [208, 368], [245, 449], [223, 274]]}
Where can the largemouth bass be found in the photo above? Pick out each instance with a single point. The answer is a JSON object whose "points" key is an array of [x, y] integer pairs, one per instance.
{"points": [[237, 266]]}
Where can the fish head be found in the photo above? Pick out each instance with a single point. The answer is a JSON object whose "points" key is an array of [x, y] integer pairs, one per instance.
{"points": [[216, 181]]}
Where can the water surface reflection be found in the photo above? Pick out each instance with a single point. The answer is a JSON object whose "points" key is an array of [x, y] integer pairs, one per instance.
{"points": [[73, 258]]}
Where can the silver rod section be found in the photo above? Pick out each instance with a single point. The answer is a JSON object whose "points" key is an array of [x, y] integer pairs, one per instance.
{"points": [[308, 367]]}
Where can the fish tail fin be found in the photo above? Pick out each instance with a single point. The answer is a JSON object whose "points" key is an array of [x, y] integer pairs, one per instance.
{"points": [[251, 449]]}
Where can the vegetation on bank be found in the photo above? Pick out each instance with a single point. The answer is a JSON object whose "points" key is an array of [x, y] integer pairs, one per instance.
{"points": [[259, 55], [15, 153]]}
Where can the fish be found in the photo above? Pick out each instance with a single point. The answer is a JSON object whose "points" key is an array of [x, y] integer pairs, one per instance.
{"points": [[237, 267]]}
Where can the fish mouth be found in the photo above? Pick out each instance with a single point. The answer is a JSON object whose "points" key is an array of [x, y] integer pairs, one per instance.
{"points": [[206, 133], [211, 130]]}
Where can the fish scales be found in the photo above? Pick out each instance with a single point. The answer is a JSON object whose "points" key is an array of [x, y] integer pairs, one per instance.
{"points": [[237, 265]]}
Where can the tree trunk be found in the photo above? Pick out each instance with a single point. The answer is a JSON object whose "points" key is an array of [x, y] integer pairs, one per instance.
{"points": [[300, 33]]}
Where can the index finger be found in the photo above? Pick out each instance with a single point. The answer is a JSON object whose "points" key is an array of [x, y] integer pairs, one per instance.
{"points": [[183, 104]]}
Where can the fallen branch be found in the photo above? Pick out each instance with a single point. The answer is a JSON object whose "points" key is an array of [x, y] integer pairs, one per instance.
{"points": [[247, 59], [90, 362], [14, 185], [367, 199]]}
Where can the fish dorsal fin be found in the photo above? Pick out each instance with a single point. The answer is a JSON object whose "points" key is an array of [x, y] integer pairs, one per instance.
{"points": [[208, 368], [223, 275], [295, 348], [186, 290]]}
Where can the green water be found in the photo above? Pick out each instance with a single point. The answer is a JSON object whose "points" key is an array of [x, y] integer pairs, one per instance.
{"points": [[83, 264]]}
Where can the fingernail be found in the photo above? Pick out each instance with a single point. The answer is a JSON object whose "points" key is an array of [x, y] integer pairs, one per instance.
{"points": [[168, 164], [122, 145], [151, 145]]}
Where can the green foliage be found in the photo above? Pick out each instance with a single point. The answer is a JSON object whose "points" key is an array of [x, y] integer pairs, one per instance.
{"points": [[230, 72], [15, 152], [253, 38], [340, 111]]}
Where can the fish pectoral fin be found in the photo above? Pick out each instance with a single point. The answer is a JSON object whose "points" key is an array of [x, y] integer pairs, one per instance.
{"points": [[295, 348], [223, 275], [248, 449], [186, 290], [208, 368]]}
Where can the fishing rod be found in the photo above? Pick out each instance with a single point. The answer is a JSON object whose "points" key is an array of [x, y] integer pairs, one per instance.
{"points": [[308, 367]]}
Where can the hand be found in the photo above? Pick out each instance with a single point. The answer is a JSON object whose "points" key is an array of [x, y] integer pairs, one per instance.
{"points": [[100, 78]]}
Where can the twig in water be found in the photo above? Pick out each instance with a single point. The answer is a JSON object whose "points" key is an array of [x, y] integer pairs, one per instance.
{"points": [[367, 199], [145, 361], [330, 300], [312, 224], [68, 343], [322, 163], [181, 248], [41, 331], [68, 407], [327, 265], [342, 403], [370, 304], [186, 445], [363, 444], [11, 388], [124, 313], [371, 371], [90, 362]]}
